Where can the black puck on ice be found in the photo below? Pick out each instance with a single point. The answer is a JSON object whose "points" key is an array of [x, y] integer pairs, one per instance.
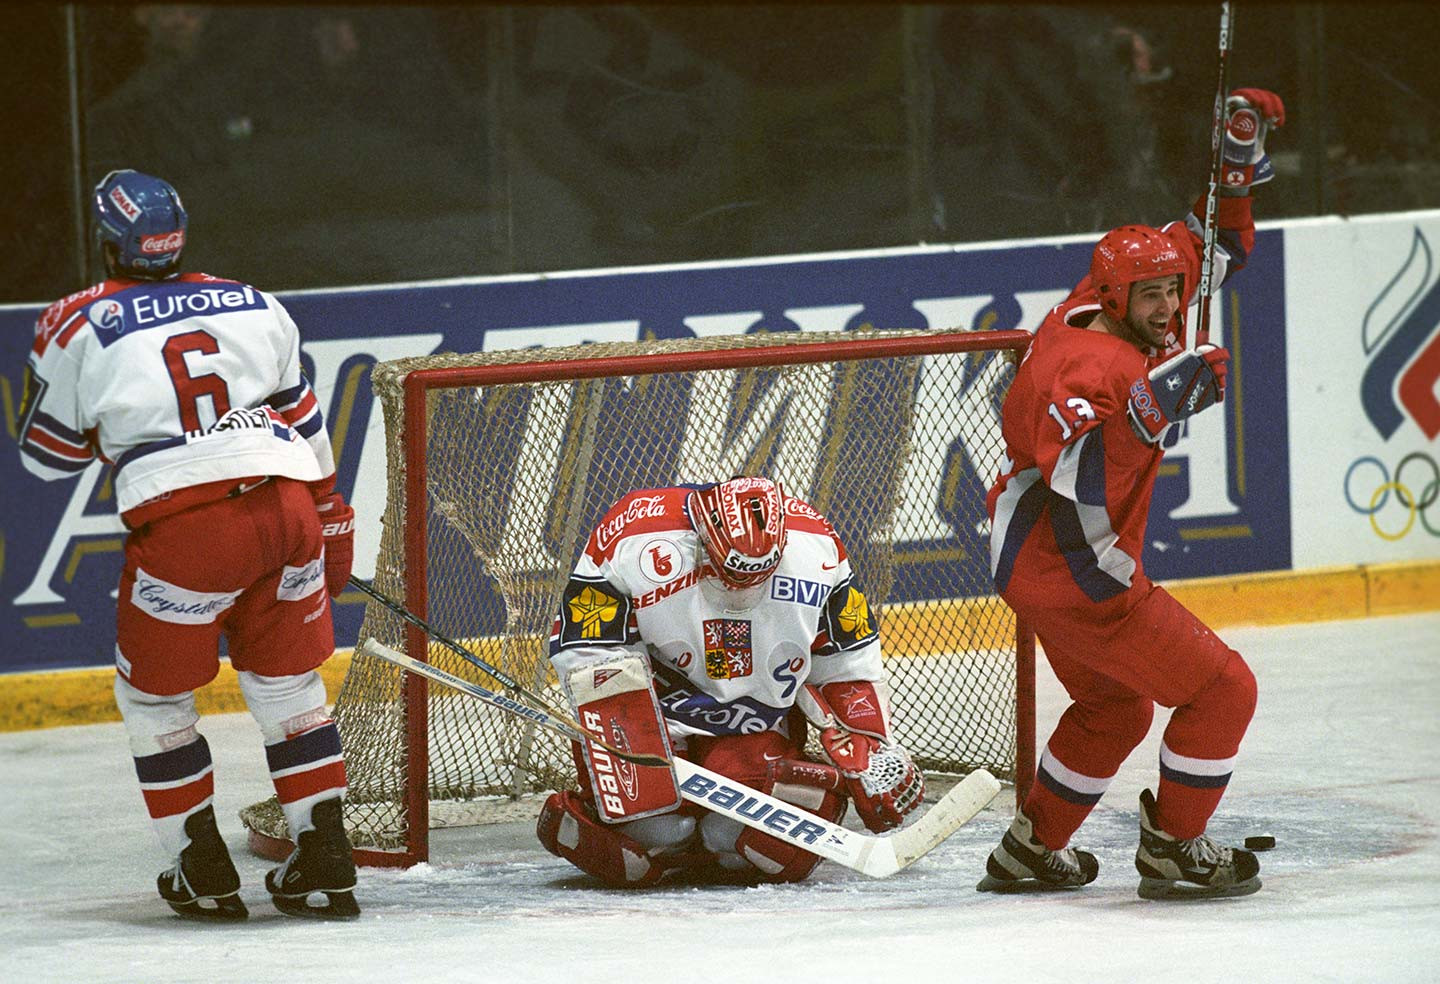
{"points": [[1259, 842]]}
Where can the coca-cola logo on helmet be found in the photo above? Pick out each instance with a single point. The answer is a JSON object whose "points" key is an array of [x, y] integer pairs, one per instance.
{"points": [[168, 242]]}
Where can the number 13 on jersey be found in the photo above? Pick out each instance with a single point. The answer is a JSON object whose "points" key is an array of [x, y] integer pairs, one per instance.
{"points": [[1079, 409]]}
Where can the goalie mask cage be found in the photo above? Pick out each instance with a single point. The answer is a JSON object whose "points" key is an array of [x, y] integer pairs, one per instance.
{"points": [[500, 464]]}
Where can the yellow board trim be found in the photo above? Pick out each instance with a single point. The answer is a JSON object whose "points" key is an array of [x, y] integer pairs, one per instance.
{"points": [[70, 697], [64, 697]]}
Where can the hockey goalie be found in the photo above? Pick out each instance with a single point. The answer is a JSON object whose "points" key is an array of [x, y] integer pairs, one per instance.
{"points": [[718, 623]]}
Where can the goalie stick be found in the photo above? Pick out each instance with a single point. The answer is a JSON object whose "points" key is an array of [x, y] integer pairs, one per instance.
{"points": [[543, 715], [538, 710], [507, 681], [876, 856]]}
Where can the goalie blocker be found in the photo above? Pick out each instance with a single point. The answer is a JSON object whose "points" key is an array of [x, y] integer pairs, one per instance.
{"points": [[615, 703]]}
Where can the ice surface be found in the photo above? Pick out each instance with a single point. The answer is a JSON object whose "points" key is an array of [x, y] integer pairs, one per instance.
{"points": [[1342, 765]]}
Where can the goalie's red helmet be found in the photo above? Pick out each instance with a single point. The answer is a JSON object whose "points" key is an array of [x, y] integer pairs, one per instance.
{"points": [[1128, 255], [741, 524]]}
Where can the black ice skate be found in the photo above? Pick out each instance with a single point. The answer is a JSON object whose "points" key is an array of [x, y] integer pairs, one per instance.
{"points": [[321, 864], [203, 884], [1023, 864], [1197, 868]]}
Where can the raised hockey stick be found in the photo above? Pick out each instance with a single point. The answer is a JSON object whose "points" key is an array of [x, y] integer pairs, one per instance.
{"points": [[876, 856], [1198, 331]]}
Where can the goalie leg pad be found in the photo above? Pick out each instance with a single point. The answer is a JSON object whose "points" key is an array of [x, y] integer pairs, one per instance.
{"points": [[809, 784], [814, 786], [614, 701], [569, 828]]}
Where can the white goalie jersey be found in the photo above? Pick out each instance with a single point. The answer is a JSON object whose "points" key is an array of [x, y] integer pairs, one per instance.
{"points": [[725, 662]]}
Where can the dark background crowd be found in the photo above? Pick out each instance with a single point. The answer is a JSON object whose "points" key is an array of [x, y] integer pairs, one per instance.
{"points": [[329, 146]]}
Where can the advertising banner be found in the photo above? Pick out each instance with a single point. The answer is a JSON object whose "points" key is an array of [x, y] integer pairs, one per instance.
{"points": [[1365, 397], [1222, 504]]}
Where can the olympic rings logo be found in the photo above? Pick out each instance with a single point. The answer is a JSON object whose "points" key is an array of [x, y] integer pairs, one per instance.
{"points": [[1404, 494]]}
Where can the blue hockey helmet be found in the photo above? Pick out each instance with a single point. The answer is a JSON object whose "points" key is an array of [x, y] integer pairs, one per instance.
{"points": [[142, 216]]}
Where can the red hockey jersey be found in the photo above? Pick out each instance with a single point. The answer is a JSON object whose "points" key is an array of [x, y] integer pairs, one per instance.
{"points": [[1070, 504], [1075, 484]]}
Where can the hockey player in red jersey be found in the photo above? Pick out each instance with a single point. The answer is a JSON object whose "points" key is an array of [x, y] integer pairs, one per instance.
{"points": [[1095, 394], [712, 622], [189, 386]]}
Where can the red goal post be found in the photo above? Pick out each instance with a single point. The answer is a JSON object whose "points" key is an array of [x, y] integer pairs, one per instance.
{"points": [[499, 464]]}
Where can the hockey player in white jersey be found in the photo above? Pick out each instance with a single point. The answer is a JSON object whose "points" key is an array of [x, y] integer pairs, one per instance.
{"points": [[189, 386], [712, 622]]}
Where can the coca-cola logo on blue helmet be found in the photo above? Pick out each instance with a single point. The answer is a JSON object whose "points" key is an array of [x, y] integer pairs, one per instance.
{"points": [[143, 217]]}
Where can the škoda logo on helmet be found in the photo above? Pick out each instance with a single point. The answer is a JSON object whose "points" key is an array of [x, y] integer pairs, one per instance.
{"points": [[123, 202]]}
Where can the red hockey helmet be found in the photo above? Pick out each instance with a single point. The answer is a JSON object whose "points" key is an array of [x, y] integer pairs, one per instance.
{"points": [[1128, 255], [741, 524]]}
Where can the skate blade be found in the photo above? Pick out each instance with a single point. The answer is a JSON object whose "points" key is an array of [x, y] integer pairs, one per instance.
{"points": [[1020, 886], [339, 905], [1165, 890], [227, 908]]}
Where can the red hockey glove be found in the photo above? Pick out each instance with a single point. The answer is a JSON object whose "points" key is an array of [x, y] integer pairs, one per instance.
{"points": [[1180, 386], [337, 526], [880, 777], [882, 781], [1250, 115]]}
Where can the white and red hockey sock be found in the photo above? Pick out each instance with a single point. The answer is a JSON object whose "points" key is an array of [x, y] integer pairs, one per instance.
{"points": [[302, 744], [306, 768], [175, 784], [172, 759]]}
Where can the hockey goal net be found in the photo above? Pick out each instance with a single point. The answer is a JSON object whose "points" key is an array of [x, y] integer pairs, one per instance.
{"points": [[499, 464]]}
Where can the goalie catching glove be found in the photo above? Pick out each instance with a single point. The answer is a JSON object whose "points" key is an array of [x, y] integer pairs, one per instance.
{"points": [[882, 780]]}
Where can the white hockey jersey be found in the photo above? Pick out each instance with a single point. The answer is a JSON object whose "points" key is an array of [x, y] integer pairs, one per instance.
{"points": [[642, 585], [176, 383]]}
